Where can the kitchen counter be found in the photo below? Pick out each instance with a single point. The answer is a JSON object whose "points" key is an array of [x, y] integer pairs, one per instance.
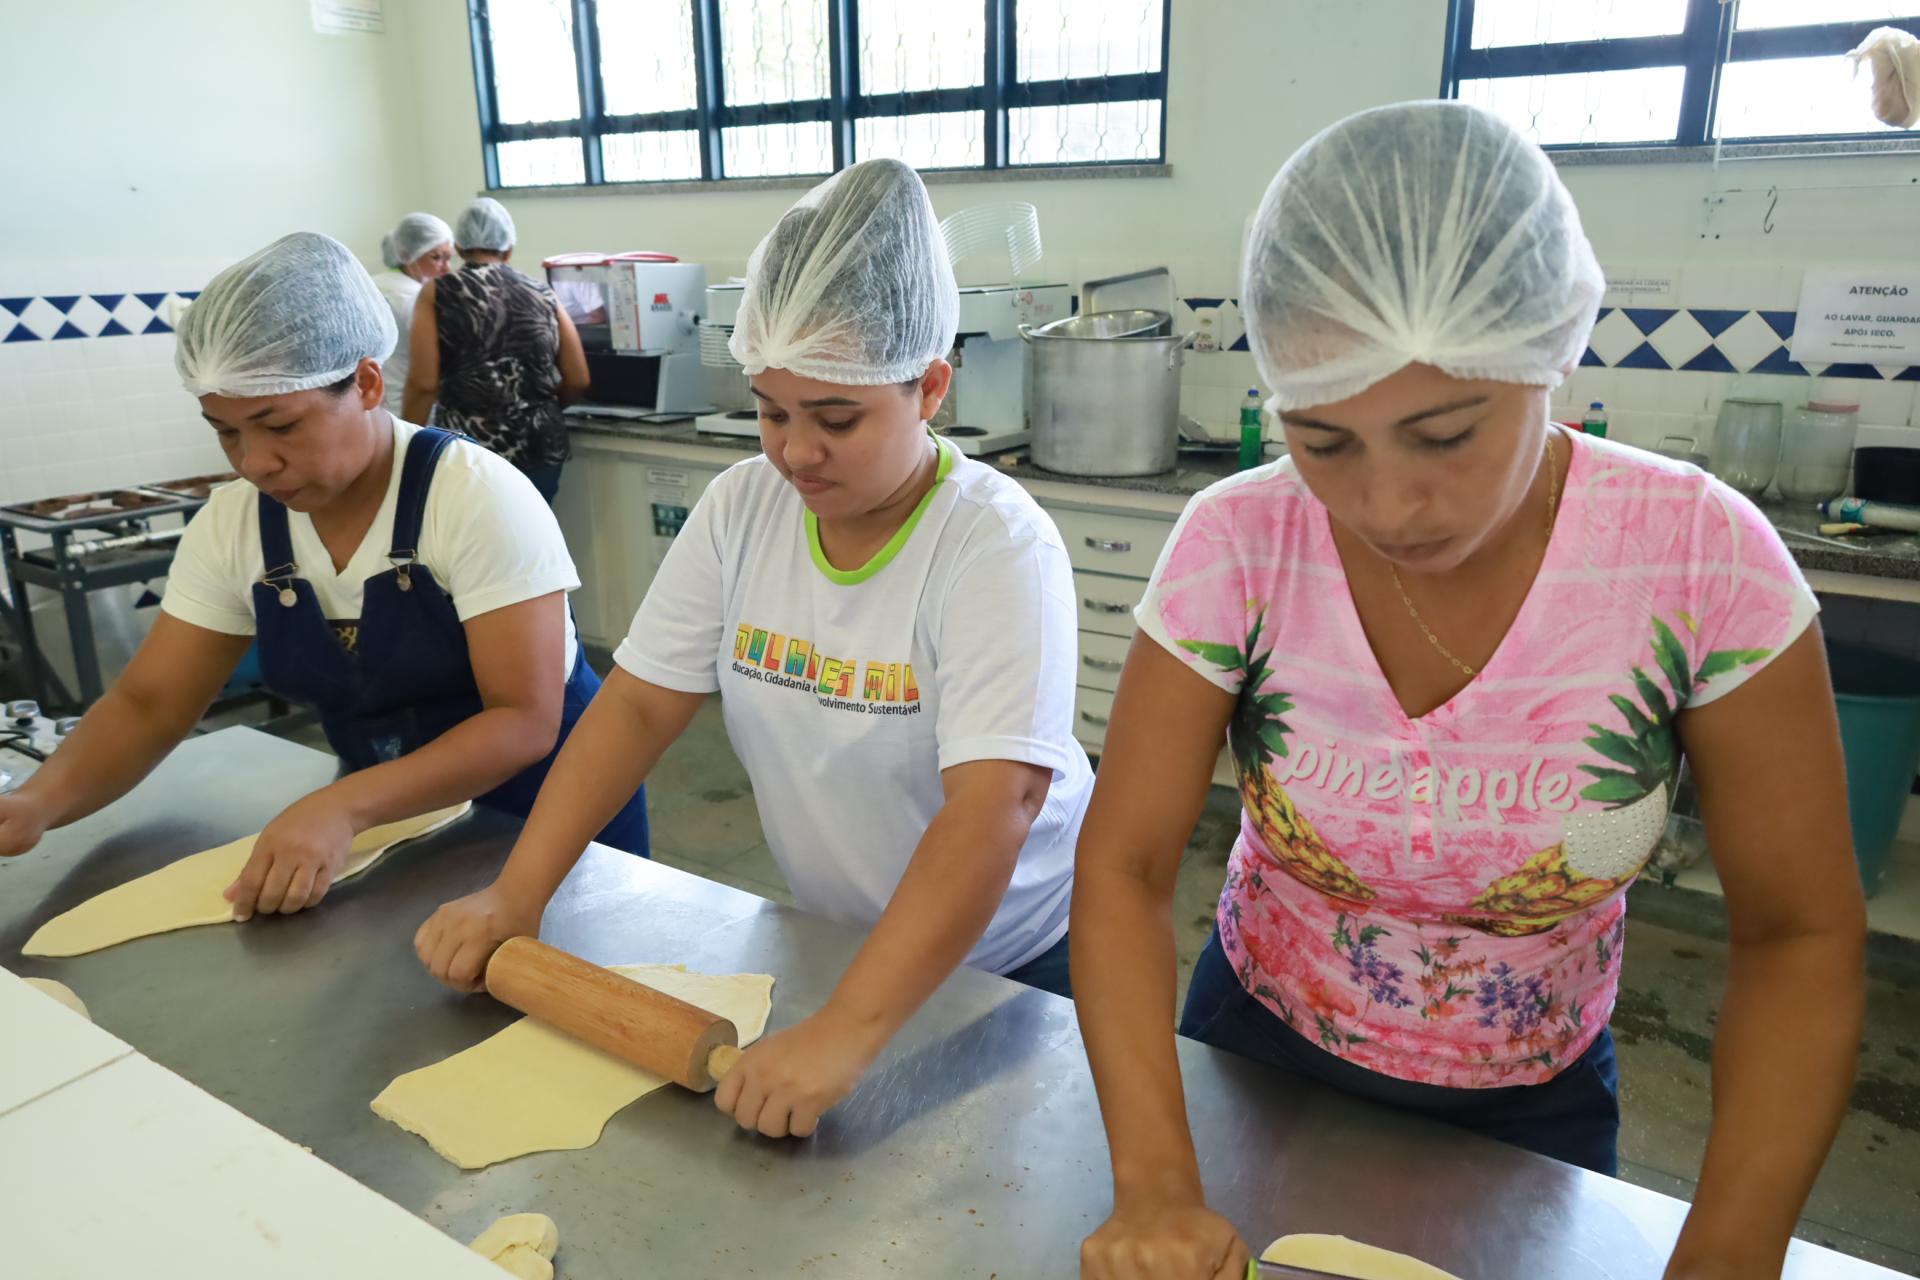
{"points": [[1895, 558], [972, 1148]]}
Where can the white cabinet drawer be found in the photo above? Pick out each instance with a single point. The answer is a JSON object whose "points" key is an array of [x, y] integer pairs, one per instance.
{"points": [[1126, 545], [1106, 604], [1101, 657], [1091, 708]]}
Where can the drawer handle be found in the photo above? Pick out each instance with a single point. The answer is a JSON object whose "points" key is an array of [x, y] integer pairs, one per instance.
{"points": [[1105, 606], [1101, 664], [1109, 544], [1099, 722]]}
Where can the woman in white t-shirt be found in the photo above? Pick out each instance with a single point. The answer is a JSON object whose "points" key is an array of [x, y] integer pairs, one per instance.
{"points": [[418, 249], [408, 585], [892, 632]]}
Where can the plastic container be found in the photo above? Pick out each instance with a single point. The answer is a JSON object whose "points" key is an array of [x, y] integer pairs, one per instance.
{"points": [[1594, 421], [1253, 445], [1878, 695], [1816, 450], [1746, 444], [1887, 473]]}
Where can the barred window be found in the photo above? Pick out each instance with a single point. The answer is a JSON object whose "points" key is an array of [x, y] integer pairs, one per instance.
{"points": [[1600, 73], [582, 92]]}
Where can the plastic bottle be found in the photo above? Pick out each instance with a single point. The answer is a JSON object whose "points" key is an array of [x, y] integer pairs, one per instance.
{"points": [[1881, 515], [1594, 421], [1253, 445]]}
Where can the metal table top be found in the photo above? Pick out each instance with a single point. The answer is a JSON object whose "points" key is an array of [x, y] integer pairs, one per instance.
{"points": [[973, 1148]]}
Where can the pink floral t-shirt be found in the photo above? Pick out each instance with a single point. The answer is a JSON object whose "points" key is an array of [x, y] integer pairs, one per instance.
{"points": [[1443, 899]]}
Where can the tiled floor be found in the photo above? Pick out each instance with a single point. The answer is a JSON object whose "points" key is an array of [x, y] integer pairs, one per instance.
{"points": [[1867, 1201]]}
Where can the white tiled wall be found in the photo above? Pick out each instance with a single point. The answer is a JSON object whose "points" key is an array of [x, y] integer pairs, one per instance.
{"points": [[87, 413]]}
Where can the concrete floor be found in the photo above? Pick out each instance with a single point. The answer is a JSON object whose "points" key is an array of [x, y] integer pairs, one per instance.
{"points": [[1867, 1201]]}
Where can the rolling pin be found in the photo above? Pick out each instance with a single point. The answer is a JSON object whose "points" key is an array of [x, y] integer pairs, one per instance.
{"points": [[628, 1019]]}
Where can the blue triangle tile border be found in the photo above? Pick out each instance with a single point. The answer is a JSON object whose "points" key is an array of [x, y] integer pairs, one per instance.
{"points": [[1643, 357], [1716, 321], [1712, 360], [1647, 319]]}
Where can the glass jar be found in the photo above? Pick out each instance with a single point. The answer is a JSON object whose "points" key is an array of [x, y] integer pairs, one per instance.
{"points": [[1816, 450], [1746, 444]]}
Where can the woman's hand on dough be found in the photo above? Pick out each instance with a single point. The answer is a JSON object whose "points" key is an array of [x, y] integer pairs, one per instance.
{"points": [[295, 859], [22, 823], [785, 1083], [1164, 1240], [457, 940]]}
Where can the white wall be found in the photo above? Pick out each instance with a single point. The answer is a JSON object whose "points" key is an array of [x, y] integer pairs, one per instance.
{"points": [[150, 144], [147, 146], [1249, 81]]}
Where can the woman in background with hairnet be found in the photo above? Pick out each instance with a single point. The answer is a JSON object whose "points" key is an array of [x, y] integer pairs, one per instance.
{"points": [[892, 631], [417, 250], [497, 352], [1425, 906], [409, 586]]}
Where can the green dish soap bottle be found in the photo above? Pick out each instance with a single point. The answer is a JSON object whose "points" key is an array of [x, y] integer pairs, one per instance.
{"points": [[1253, 445]]}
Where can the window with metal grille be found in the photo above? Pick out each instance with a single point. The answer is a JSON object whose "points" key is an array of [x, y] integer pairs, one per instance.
{"points": [[1608, 73], [584, 92]]}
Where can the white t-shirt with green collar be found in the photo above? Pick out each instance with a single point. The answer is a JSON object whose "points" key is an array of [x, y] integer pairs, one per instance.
{"points": [[846, 694]]}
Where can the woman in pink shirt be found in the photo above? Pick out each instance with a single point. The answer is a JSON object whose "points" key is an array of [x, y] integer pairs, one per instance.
{"points": [[1458, 655]]}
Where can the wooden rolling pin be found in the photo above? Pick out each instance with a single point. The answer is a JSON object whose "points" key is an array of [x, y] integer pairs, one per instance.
{"points": [[630, 1020]]}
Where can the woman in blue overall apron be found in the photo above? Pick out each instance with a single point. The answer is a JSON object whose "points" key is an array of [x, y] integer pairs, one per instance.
{"points": [[408, 585], [409, 678]]}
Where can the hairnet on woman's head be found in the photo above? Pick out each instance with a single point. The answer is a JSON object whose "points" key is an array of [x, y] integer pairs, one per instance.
{"points": [[300, 313], [853, 285], [1425, 232], [389, 255], [415, 234], [484, 224]]}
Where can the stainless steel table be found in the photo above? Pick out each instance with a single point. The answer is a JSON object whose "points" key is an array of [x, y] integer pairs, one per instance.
{"points": [[973, 1148]]}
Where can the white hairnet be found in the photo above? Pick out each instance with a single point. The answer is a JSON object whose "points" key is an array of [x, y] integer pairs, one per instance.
{"points": [[1425, 232], [418, 232], [300, 313], [485, 224], [389, 255], [853, 285]]}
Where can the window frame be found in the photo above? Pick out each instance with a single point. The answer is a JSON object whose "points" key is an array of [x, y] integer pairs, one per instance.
{"points": [[996, 98], [1697, 49]]}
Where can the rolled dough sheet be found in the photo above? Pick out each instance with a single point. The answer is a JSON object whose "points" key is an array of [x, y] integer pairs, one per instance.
{"points": [[1339, 1256], [62, 992], [189, 892], [531, 1088]]}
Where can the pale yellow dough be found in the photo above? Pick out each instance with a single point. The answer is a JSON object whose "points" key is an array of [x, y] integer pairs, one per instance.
{"points": [[63, 993], [531, 1088], [1339, 1256], [521, 1243], [191, 891]]}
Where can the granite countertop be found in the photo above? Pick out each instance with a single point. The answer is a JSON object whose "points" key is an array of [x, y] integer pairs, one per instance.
{"points": [[1891, 556], [1881, 556]]}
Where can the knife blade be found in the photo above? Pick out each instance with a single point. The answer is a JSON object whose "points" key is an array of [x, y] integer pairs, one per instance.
{"points": [[1258, 1270]]}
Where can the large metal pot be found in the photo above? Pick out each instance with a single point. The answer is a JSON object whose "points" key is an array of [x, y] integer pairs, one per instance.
{"points": [[1104, 406]]}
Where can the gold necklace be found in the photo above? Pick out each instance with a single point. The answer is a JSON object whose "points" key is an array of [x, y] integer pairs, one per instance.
{"points": [[1553, 507]]}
